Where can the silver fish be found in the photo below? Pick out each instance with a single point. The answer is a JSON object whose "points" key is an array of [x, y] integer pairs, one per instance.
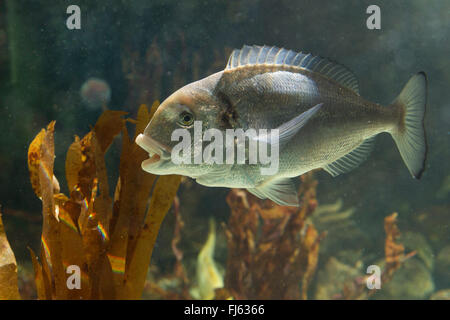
{"points": [[314, 103]]}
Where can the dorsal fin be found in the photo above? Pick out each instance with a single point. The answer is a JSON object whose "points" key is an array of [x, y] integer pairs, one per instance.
{"points": [[256, 55]]}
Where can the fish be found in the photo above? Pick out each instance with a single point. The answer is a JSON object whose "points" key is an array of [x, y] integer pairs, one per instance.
{"points": [[311, 102]]}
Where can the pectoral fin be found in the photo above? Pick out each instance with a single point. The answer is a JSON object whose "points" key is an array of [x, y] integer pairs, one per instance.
{"points": [[281, 191], [289, 129]]}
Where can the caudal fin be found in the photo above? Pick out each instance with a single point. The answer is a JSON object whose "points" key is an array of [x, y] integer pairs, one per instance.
{"points": [[410, 133]]}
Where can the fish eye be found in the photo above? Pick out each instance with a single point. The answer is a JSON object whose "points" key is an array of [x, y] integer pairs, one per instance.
{"points": [[186, 119]]}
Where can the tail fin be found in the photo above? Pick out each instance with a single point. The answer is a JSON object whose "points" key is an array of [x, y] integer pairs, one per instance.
{"points": [[410, 133]]}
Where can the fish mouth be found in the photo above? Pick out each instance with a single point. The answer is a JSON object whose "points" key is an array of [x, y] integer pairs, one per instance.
{"points": [[157, 152]]}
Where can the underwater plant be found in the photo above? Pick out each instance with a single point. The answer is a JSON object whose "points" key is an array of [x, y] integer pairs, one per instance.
{"points": [[108, 241], [272, 251], [394, 258], [8, 268], [209, 278]]}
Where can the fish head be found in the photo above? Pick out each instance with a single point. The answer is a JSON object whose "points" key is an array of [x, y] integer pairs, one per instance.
{"points": [[188, 105]]}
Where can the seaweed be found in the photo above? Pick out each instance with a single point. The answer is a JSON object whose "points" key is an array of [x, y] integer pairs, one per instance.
{"points": [[176, 284], [272, 251], [110, 239], [394, 258], [8, 268]]}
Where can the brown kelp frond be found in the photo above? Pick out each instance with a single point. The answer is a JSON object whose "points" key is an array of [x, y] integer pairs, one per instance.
{"points": [[94, 246], [8, 268], [394, 251], [175, 285], [179, 270], [272, 251], [394, 258]]}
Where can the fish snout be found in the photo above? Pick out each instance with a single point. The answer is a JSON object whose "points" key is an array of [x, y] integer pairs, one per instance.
{"points": [[154, 148]]}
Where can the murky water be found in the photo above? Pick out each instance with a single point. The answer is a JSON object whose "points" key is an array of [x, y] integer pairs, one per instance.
{"points": [[56, 65]]}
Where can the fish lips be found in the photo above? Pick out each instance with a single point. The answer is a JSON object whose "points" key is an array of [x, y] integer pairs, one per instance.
{"points": [[157, 151]]}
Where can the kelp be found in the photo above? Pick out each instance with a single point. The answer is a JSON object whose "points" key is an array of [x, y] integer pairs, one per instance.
{"points": [[393, 250], [394, 258], [179, 288], [8, 268], [110, 234], [208, 276], [272, 250], [109, 239]]}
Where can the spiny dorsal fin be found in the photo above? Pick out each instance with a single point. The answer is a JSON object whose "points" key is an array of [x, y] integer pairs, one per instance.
{"points": [[351, 160], [256, 55]]}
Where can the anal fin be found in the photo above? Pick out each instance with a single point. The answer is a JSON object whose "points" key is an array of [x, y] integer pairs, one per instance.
{"points": [[281, 191], [352, 159]]}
